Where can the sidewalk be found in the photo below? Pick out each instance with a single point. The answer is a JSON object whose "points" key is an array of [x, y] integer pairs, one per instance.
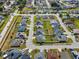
{"points": [[2, 34]]}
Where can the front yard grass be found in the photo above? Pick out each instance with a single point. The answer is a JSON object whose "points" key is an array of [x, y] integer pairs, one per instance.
{"points": [[6, 19], [35, 51], [76, 21], [49, 33]]}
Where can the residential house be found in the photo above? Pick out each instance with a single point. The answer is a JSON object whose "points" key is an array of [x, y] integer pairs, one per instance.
{"points": [[45, 17], [75, 54], [21, 28], [8, 5], [51, 55], [1, 18], [76, 31], [39, 55], [54, 23], [16, 54], [39, 24], [12, 54], [40, 38], [16, 43], [20, 35], [51, 17], [59, 34], [24, 56], [64, 55], [69, 24], [38, 17], [39, 32]]}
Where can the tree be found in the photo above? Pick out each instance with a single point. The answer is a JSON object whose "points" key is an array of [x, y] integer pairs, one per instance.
{"points": [[22, 4], [1, 9]]}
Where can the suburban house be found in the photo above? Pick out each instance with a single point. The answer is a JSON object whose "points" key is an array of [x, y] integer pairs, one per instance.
{"points": [[39, 24], [15, 54], [64, 55], [51, 55], [76, 31], [75, 54], [39, 55], [1, 18], [40, 38]]}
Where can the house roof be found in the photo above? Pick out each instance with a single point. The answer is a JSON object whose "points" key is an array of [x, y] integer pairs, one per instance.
{"points": [[45, 17], [59, 35], [50, 55], [54, 23], [23, 56], [39, 26], [62, 38], [38, 17], [69, 22], [23, 23], [56, 30], [15, 43], [21, 28], [16, 54], [40, 38], [51, 17], [39, 55], [39, 31], [20, 36], [1, 17], [23, 17], [13, 54], [75, 54], [39, 23]]}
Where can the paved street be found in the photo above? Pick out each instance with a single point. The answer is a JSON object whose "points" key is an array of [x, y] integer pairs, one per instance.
{"points": [[38, 28], [33, 2], [64, 27], [6, 27], [48, 4], [29, 42]]}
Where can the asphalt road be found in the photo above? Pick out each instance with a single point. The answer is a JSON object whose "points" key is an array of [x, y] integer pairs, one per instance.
{"points": [[30, 44]]}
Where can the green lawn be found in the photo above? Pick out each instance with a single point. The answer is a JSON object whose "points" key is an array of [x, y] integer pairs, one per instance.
{"points": [[1, 57], [77, 23], [8, 39], [28, 9], [16, 29], [12, 33], [24, 9], [34, 52], [1, 5], [19, 19], [6, 19], [48, 32]]}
